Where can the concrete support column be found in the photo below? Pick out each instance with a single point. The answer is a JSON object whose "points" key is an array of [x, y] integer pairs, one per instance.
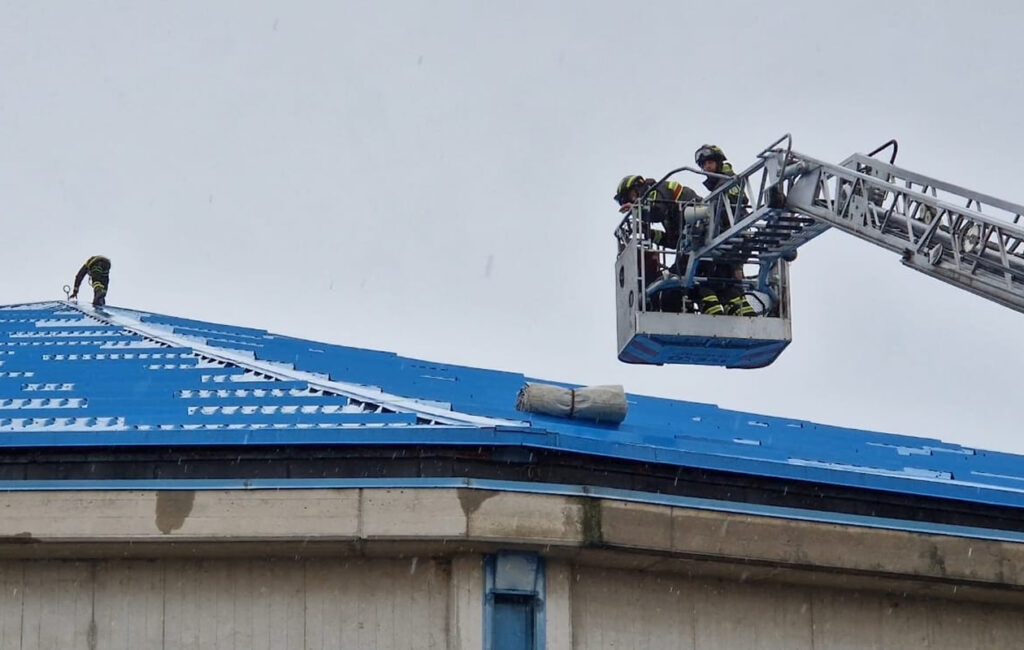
{"points": [[558, 606], [466, 604]]}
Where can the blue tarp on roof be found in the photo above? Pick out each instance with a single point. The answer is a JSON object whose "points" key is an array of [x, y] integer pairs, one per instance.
{"points": [[74, 377]]}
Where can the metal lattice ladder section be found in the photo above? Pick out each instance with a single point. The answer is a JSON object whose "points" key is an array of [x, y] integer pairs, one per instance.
{"points": [[967, 239]]}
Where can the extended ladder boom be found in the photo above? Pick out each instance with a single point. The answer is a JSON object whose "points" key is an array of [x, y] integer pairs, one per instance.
{"points": [[967, 239]]}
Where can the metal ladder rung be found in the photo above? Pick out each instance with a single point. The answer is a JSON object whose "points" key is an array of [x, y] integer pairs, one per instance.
{"points": [[781, 229]]}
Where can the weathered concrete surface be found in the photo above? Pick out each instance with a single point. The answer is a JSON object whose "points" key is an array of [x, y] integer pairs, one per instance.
{"points": [[613, 608], [522, 518], [148, 515], [218, 604], [419, 602], [465, 615], [558, 605], [443, 522]]}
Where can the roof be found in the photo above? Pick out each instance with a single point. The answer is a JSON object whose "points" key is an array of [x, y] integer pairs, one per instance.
{"points": [[75, 377]]}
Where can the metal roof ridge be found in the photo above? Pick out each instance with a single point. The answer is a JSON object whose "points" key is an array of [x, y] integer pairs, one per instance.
{"points": [[164, 334]]}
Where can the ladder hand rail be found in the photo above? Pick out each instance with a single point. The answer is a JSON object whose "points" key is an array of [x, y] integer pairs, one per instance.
{"points": [[913, 199], [882, 147], [960, 245], [927, 181], [809, 165], [772, 147]]}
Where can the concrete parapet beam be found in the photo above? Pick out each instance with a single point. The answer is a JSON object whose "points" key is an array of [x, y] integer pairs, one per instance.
{"points": [[447, 521]]}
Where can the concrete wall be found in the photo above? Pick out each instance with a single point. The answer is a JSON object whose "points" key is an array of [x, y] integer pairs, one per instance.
{"points": [[401, 568], [420, 603], [627, 610], [216, 604], [83, 524]]}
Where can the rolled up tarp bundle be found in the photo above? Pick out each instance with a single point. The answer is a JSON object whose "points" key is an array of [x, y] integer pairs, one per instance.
{"points": [[596, 403]]}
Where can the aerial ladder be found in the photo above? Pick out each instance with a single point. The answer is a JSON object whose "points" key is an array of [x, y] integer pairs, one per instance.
{"points": [[786, 199]]}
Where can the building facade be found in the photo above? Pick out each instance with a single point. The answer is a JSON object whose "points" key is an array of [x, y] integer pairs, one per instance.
{"points": [[177, 484]]}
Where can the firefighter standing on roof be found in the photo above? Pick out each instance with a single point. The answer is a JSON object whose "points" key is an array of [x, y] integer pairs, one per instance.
{"points": [[97, 268]]}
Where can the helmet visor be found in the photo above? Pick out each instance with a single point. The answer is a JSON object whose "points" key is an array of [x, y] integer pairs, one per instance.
{"points": [[627, 195], [625, 191]]}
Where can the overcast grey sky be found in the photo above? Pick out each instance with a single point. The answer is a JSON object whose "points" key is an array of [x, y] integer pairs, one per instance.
{"points": [[435, 178]]}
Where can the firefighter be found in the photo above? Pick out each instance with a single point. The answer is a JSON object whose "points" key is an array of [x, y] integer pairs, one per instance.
{"points": [[97, 268], [712, 159], [663, 208], [664, 205]]}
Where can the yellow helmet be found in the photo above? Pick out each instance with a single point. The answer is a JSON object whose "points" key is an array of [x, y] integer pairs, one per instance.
{"points": [[627, 183]]}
